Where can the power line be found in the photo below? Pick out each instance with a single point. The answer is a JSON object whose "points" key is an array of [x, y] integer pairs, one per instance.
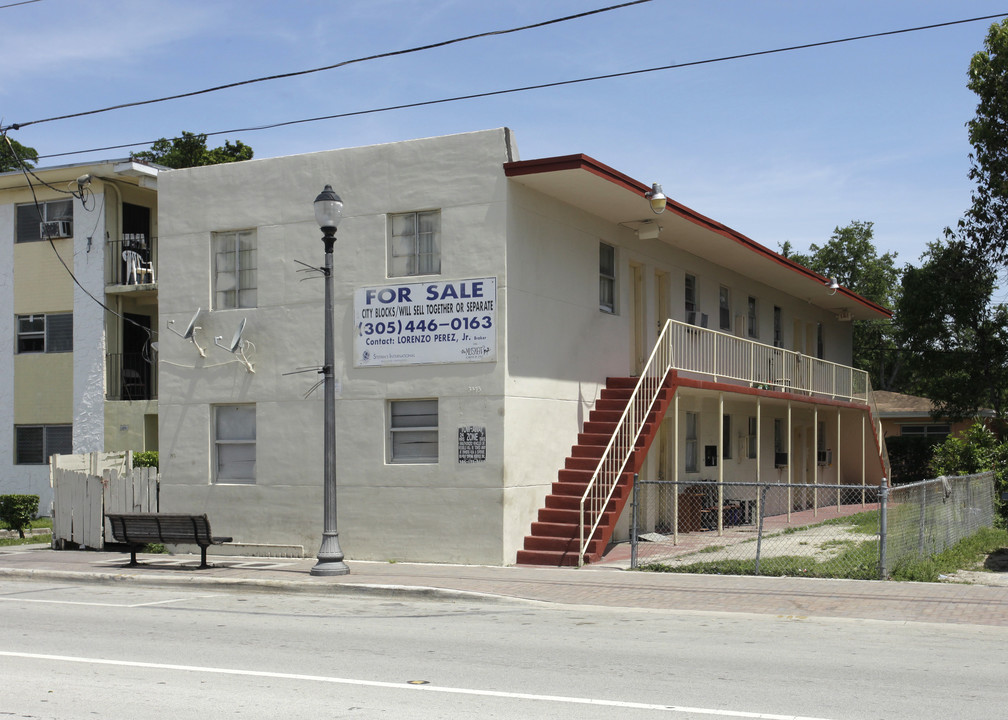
{"points": [[540, 86], [394, 53], [24, 2]]}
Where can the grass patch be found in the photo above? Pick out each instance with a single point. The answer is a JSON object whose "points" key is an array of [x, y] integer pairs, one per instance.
{"points": [[858, 561], [712, 549], [42, 523], [967, 554], [866, 523], [45, 538]]}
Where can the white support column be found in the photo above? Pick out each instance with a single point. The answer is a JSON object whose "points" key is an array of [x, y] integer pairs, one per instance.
{"points": [[864, 459], [675, 467], [759, 434], [836, 458], [815, 471], [720, 465], [790, 463]]}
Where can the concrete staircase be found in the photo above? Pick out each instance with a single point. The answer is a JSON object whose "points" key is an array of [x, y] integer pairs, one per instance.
{"points": [[555, 535]]}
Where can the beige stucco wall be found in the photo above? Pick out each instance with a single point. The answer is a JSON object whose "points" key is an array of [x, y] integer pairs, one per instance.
{"points": [[125, 425], [41, 285], [386, 511]]}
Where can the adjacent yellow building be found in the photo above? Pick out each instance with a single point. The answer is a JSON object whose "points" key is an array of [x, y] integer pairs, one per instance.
{"points": [[78, 252]]}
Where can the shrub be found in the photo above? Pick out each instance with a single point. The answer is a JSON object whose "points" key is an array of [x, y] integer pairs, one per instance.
{"points": [[975, 450], [17, 511], [148, 458]]}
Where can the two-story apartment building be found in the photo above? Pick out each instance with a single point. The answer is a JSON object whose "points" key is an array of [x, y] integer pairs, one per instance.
{"points": [[483, 305], [77, 280]]}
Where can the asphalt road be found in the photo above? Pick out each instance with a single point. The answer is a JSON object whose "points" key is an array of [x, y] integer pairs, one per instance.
{"points": [[86, 651]]}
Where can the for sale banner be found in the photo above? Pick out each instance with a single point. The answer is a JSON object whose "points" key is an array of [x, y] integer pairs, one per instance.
{"points": [[452, 321]]}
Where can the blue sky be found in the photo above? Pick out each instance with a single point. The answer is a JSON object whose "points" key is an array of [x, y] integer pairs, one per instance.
{"points": [[782, 147]]}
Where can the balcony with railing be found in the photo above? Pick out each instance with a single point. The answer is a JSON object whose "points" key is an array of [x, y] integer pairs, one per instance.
{"points": [[722, 357], [131, 376], [719, 357], [131, 262]]}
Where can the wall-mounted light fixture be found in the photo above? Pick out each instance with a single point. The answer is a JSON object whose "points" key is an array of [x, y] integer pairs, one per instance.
{"points": [[657, 198], [832, 285]]}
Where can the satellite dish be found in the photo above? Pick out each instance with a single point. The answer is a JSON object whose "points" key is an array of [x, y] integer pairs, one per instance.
{"points": [[236, 340], [187, 335], [237, 346], [190, 331]]}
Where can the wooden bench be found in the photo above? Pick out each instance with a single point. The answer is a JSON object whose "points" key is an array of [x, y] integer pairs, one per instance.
{"points": [[139, 529]]}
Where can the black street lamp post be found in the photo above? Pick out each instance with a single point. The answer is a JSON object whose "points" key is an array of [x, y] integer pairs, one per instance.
{"points": [[328, 213]]}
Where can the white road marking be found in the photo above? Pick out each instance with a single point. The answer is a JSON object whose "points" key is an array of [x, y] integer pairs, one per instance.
{"points": [[406, 686]]}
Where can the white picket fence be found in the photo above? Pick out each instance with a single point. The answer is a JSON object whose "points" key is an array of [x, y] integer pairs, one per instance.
{"points": [[87, 486]]}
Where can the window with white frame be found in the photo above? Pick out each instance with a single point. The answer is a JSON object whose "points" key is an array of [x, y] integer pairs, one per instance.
{"points": [[414, 245], [820, 343], [692, 443], [778, 327], [752, 317], [751, 445], [413, 431], [45, 333], [690, 293], [234, 440], [235, 280], [607, 278], [724, 308], [33, 444], [31, 216], [726, 450]]}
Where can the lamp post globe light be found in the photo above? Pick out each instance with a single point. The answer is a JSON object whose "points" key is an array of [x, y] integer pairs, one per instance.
{"points": [[328, 213]]}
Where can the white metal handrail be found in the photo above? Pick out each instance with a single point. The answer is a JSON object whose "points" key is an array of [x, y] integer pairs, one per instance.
{"points": [[624, 439], [688, 348]]}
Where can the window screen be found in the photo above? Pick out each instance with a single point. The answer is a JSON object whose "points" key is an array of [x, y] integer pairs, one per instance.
{"points": [[413, 430], [235, 443]]}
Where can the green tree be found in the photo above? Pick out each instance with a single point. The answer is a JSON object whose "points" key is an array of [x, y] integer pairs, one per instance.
{"points": [[986, 222], [851, 258], [8, 161], [956, 340], [190, 150]]}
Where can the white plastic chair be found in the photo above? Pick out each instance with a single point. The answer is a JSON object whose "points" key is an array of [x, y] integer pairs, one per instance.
{"points": [[136, 268]]}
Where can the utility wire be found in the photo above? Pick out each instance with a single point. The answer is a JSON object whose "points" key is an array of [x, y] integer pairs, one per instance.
{"points": [[24, 2], [540, 86], [394, 53]]}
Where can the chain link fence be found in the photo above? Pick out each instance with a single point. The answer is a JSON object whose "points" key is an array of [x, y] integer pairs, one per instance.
{"points": [[925, 518], [813, 530]]}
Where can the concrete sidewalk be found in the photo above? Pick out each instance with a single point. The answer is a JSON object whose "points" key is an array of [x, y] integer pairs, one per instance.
{"points": [[599, 585]]}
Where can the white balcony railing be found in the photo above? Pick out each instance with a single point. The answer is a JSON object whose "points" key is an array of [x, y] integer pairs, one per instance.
{"points": [[721, 358]]}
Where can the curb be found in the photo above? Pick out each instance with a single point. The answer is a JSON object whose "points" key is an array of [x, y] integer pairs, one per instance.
{"points": [[265, 586]]}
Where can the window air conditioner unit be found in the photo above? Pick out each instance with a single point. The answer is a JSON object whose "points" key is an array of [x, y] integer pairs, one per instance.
{"points": [[824, 457], [780, 459], [699, 319], [56, 229]]}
